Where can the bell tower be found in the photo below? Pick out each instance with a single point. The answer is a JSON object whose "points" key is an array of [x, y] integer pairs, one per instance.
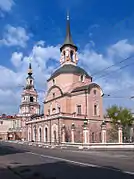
{"points": [[29, 98], [68, 49]]}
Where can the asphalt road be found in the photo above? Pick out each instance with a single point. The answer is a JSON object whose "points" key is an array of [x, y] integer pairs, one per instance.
{"points": [[30, 162]]}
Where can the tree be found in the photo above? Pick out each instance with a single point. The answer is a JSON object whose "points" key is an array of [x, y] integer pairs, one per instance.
{"points": [[123, 115]]}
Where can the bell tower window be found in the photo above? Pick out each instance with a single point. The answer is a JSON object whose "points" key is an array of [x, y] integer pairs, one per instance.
{"points": [[71, 55], [31, 99], [64, 54], [30, 82]]}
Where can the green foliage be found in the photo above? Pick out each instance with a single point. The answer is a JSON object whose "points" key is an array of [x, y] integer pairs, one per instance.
{"points": [[123, 115]]}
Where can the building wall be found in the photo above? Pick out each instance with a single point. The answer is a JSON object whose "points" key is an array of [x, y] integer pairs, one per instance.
{"points": [[5, 125]]}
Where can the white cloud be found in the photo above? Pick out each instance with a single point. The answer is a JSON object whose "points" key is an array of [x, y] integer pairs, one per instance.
{"points": [[44, 61], [15, 36], [16, 59], [121, 49], [6, 5]]}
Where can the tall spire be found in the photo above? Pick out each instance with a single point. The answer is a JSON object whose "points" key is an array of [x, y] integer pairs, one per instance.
{"points": [[30, 70], [68, 38]]}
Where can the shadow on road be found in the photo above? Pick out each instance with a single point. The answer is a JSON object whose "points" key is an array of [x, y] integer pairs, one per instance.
{"points": [[6, 150], [63, 170]]}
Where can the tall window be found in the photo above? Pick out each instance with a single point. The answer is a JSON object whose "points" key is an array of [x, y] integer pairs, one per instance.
{"points": [[46, 135], [31, 99], [64, 54], [95, 109], [94, 92], [48, 111], [30, 82], [79, 109], [82, 78], [71, 55], [53, 95], [53, 81], [100, 136], [40, 134], [93, 137]]}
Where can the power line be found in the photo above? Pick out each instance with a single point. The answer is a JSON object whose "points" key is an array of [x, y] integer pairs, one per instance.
{"points": [[102, 76], [112, 65]]}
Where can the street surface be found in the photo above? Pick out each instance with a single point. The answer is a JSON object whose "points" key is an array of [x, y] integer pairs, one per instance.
{"points": [[22, 161]]}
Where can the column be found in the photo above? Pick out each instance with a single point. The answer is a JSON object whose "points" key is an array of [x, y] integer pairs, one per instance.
{"points": [[63, 133], [120, 134], [85, 135], [103, 132], [72, 133], [131, 134]]}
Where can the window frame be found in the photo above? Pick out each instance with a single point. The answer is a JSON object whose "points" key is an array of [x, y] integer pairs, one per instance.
{"points": [[79, 107]]}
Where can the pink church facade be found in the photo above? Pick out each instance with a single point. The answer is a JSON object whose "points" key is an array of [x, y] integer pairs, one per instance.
{"points": [[73, 107]]}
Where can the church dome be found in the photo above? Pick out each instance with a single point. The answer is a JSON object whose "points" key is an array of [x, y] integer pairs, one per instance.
{"points": [[69, 69]]}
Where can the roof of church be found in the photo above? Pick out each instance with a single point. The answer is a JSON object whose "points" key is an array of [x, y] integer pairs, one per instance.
{"points": [[84, 87], [69, 68]]}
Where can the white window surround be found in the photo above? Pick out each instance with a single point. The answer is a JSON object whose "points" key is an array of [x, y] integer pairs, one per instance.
{"points": [[77, 109], [53, 81], [82, 78], [46, 126]]}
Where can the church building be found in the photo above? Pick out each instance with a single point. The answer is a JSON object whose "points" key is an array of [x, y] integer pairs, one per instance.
{"points": [[73, 109]]}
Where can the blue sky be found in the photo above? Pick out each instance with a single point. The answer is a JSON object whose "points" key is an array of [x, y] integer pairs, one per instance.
{"points": [[103, 31]]}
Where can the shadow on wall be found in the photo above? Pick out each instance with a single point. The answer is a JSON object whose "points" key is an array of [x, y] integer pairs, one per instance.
{"points": [[7, 150], [63, 170]]}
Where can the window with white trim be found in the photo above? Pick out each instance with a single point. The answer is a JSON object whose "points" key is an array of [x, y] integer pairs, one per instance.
{"points": [[79, 109], [53, 81], [82, 78]]}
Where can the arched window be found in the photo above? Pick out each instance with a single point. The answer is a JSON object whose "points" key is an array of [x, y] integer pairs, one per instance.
{"points": [[46, 134], [71, 55], [30, 82], [40, 134], [94, 92], [48, 111], [53, 81], [59, 109], [53, 95], [82, 78], [54, 136], [100, 136], [64, 54], [31, 99], [95, 109], [35, 133], [93, 137]]}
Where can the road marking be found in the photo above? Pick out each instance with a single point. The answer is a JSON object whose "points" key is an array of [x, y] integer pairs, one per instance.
{"points": [[78, 163]]}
